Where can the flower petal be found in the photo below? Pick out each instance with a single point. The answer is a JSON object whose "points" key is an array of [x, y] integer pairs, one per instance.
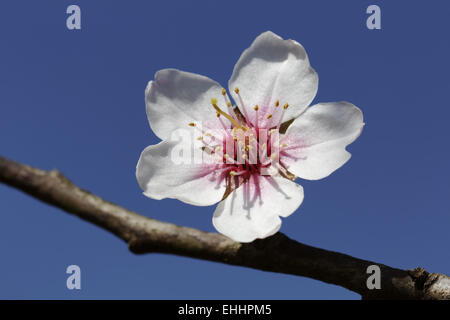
{"points": [[252, 211], [162, 173], [273, 69], [176, 98], [317, 139]]}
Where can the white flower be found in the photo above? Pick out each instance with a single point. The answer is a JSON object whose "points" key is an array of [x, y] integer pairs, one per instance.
{"points": [[252, 180]]}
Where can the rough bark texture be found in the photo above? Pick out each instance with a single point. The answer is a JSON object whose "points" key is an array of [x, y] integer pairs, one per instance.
{"points": [[276, 254]]}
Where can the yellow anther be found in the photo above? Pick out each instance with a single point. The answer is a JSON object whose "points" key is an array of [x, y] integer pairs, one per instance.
{"points": [[284, 145], [228, 104], [273, 156], [286, 106], [213, 101], [217, 149], [244, 156], [218, 115], [200, 138], [256, 108], [208, 134], [269, 116], [232, 173], [277, 103], [236, 90], [290, 175], [192, 124], [224, 92]]}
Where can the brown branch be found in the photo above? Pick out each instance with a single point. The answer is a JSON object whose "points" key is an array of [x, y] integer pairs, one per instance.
{"points": [[277, 253]]}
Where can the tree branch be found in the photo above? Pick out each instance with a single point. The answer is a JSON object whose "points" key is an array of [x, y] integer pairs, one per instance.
{"points": [[276, 254]]}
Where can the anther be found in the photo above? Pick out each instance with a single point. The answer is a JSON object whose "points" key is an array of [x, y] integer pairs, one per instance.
{"points": [[286, 106], [269, 116], [256, 108], [192, 124], [236, 90], [224, 92], [277, 103]]}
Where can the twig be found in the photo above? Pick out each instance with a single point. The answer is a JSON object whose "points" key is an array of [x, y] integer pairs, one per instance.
{"points": [[276, 254]]}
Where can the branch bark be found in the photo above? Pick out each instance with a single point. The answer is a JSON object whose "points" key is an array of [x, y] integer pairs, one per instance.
{"points": [[276, 254]]}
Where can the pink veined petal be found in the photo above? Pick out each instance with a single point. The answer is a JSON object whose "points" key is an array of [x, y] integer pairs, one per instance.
{"points": [[316, 141], [253, 210], [176, 98], [273, 69], [161, 174]]}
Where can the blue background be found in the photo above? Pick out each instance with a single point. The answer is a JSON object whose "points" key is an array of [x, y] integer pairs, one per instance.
{"points": [[74, 100]]}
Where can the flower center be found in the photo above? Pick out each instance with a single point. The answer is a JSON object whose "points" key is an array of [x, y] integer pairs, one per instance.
{"points": [[244, 148]]}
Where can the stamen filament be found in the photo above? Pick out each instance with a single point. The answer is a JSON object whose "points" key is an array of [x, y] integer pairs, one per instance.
{"points": [[256, 116], [226, 115], [237, 173], [243, 107], [229, 106], [282, 115]]}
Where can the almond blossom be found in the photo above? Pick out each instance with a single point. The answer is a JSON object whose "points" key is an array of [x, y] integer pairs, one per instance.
{"points": [[251, 150]]}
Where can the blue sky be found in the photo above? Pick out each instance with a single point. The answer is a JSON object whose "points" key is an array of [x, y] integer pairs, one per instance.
{"points": [[74, 100]]}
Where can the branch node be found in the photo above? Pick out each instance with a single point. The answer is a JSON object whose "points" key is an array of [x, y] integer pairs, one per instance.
{"points": [[419, 275]]}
